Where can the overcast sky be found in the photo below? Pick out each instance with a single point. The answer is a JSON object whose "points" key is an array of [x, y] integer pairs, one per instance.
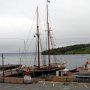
{"points": [[69, 20]]}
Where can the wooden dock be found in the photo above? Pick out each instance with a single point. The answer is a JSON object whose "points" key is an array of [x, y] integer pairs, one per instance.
{"points": [[9, 66], [9, 69], [8, 73]]}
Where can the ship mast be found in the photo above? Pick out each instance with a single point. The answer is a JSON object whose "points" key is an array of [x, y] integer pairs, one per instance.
{"points": [[38, 38], [48, 32]]}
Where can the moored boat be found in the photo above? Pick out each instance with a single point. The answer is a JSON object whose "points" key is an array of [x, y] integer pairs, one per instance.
{"points": [[43, 69]]}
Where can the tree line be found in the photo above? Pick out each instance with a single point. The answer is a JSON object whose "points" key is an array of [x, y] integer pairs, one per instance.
{"points": [[73, 49]]}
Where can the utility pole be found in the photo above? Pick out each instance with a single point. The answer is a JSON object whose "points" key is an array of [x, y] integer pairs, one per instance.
{"points": [[3, 66]]}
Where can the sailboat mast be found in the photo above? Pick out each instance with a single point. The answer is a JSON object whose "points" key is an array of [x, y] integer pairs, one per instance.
{"points": [[49, 61], [38, 38]]}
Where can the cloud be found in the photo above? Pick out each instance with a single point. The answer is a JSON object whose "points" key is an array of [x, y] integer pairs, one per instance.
{"points": [[12, 22], [69, 20]]}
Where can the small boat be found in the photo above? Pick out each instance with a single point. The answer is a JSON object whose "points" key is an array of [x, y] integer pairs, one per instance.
{"points": [[83, 73]]}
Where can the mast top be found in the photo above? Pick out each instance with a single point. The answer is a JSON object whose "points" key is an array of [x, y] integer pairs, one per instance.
{"points": [[48, 1]]}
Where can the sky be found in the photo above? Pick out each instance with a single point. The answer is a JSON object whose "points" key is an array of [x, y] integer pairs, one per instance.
{"points": [[69, 21]]}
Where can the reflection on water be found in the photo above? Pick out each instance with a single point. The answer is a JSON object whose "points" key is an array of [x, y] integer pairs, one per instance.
{"points": [[72, 61]]}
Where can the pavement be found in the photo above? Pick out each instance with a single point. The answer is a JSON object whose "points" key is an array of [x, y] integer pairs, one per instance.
{"points": [[46, 86]]}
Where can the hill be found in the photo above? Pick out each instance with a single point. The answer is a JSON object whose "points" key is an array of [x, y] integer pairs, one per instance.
{"points": [[73, 49]]}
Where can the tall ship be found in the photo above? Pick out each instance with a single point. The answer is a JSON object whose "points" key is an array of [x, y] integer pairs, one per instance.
{"points": [[45, 69]]}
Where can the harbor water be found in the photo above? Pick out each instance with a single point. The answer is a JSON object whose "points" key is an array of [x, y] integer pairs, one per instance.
{"points": [[28, 59]]}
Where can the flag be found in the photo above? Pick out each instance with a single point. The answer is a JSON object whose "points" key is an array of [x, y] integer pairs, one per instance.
{"points": [[48, 1]]}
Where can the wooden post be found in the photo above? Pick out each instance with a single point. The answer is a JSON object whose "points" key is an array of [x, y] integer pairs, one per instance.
{"points": [[3, 66], [38, 38]]}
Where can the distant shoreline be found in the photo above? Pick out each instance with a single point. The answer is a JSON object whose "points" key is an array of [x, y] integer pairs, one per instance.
{"points": [[68, 50]]}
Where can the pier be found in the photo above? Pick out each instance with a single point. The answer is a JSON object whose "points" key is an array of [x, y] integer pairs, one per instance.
{"points": [[45, 86], [9, 66]]}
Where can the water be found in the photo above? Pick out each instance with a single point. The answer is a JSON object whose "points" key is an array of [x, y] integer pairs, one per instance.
{"points": [[72, 61]]}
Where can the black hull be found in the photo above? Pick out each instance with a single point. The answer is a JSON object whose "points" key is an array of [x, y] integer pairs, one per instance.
{"points": [[37, 73]]}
